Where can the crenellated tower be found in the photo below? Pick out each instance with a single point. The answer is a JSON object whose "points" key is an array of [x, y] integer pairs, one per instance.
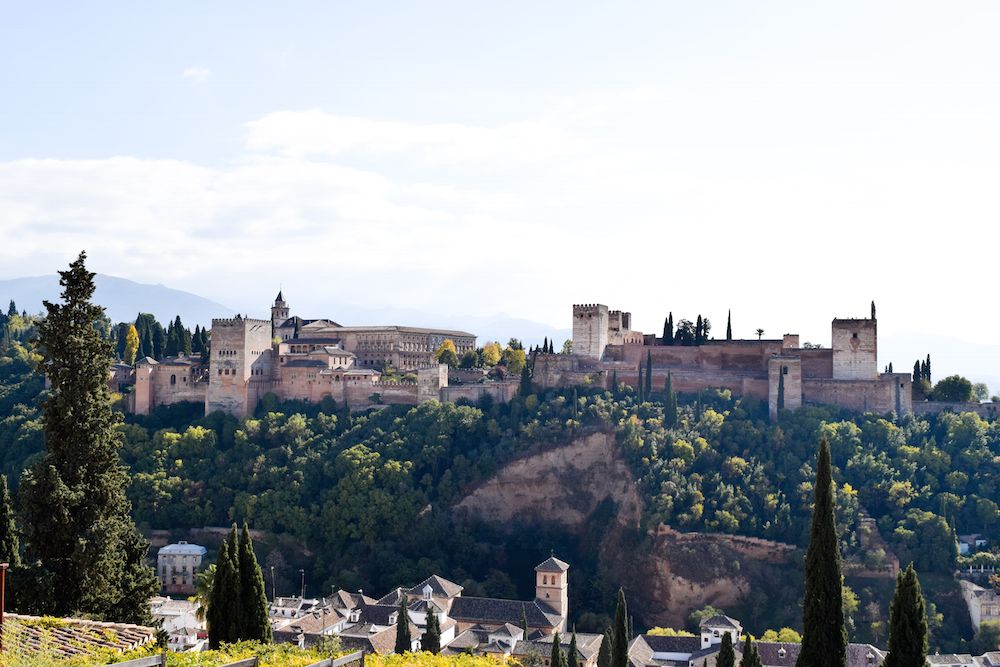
{"points": [[241, 350]]}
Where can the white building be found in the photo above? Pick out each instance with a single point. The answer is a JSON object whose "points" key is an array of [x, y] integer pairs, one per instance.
{"points": [[176, 565]]}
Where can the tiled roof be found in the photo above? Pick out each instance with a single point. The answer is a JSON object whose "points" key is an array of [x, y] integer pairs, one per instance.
{"points": [[951, 660], [552, 564], [492, 610], [661, 644], [377, 613], [440, 587], [393, 596], [71, 636], [721, 621], [422, 606], [383, 642]]}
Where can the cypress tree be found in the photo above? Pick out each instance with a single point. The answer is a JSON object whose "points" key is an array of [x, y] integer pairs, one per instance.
{"points": [[224, 604], [9, 548], [403, 642], [639, 384], [699, 333], [12, 309], [619, 647], [727, 656], [571, 656], [170, 346], [196, 339], [525, 388], [253, 600], [545, 345], [85, 553], [824, 640], [667, 334], [928, 371], [607, 647], [729, 325], [648, 389], [431, 639], [916, 371], [781, 389], [907, 623], [524, 622], [670, 329], [614, 383], [558, 658], [751, 654], [670, 409]]}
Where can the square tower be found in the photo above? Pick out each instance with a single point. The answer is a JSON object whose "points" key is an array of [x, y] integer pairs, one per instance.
{"points": [[240, 350], [552, 587], [590, 329], [855, 349], [784, 383]]}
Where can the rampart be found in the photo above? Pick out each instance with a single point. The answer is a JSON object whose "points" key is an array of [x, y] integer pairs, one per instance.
{"points": [[984, 410]]}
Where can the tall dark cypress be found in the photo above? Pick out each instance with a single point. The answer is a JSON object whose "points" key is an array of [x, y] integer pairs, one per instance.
{"points": [[571, 655], [907, 623], [751, 654], [639, 384], [667, 333], [545, 345], [558, 657], [403, 641], [648, 390], [525, 388], [727, 656], [524, 622], [698, 332], [781, 389], [430, 640], [916, 371], [85, 553], [9, 548], [729, 325], [619, 647], [614, 383], [224, 604], [927, 373], [607, 648], [670, 407], [256, 624], [824, 640], [670, 329]]}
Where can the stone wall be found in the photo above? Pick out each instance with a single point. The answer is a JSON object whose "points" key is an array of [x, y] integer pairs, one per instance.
{"points": [[784, 383], [984, 410], [855, 349], [891, 392], [498, 391], [590, 329], [237, 347]]}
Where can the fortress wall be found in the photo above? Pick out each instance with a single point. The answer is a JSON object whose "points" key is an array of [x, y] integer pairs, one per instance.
{"points": [[730, 356], [816, 363], [499, 391], [855, 349], [984, 410], [360, 394], [881, 396]]}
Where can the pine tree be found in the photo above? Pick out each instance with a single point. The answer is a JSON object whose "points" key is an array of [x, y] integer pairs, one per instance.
{"points": [[648, 387], [607, 648], [751, 654], [256, 624], [431, 639], [403, 642], [85, 553], [619, 647], [727, 656], [131, 345], [224, 605], [907, 623], [9, 548], [824, 640], [571, 655], [729, 325], [183, 337]]}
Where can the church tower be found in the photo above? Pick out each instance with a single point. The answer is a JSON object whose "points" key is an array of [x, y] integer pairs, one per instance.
{"points": [[552, 587], [279, 312]]}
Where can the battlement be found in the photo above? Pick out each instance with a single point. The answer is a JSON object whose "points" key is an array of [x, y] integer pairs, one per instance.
{"points": [[589, 307], [237, 321]]}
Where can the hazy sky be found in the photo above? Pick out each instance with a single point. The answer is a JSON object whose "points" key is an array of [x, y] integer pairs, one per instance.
{"points": [[787, 160]]}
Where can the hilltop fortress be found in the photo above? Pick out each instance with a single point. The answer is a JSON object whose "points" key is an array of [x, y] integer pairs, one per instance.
{"points": [[846, 374], [310, 360]]}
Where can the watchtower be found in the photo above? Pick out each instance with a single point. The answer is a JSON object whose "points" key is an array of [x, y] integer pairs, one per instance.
{"points": [[590, 329], [855, 349], [784, 383], [279, 312], [552, 587], [240, 350]]}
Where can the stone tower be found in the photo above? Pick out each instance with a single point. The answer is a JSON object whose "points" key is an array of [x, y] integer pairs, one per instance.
{"points": [[552, 587], [784, 376], [241, 350], [855, 349], [279, 312], [590, 329]]}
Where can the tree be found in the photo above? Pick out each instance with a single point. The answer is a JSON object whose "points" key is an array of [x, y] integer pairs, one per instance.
{"points": [[670, 408], [927, 369], [619, 647], [224, 604], [987, 637], [491, 354], [781, 389], [907, 623], [824, 642], [751, 655], [607, 648], [685, 334], [729, 325], [514, 358], [403, 642], [572, 658], [203, 583], [256, 625], [9, 548], [760, 333], [525, 388], [446, 353], [981, 392], [12, 309], [131, 344], [917, 373], [648, 387], [524, 622], [727, 656], [953, 389], [85, 553], [699, 333], [786, 635], [430, 640], [639, 385], [614, 384], [567, 347]]}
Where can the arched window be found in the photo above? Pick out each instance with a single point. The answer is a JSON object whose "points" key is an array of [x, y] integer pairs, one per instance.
{"points": [[173, 379]]}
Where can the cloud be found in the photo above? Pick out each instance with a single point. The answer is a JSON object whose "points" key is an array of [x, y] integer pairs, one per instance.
{"points": [[197, 74]]}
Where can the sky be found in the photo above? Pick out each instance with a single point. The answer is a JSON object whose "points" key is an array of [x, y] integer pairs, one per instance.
{"points": [[789, 161]]}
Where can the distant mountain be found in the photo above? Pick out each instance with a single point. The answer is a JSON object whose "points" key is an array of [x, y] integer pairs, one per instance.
{"points": [[123, 299]]}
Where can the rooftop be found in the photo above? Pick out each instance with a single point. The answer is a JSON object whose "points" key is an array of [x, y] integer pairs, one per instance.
{"points": [[71, 636]]}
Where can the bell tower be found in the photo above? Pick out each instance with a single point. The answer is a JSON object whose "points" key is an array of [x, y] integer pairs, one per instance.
{"points": [[552, 587], [279, 312]]}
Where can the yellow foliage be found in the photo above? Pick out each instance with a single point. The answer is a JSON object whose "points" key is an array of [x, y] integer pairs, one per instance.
{"points": [[491, 353], [425, 659]]}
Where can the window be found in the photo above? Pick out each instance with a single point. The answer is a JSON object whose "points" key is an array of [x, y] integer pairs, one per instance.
{"points": [[784, 369], [173, 379], [854, 335]]}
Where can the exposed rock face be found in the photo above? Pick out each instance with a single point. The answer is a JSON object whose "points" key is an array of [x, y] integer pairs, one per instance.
{"points": [[562, 486]]}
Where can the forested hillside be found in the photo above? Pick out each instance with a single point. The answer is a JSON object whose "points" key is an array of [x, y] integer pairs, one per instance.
{"points": [[362, 500]]}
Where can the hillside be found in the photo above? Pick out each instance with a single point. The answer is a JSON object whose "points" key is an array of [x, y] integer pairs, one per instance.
{"points": [[122, 299]]}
